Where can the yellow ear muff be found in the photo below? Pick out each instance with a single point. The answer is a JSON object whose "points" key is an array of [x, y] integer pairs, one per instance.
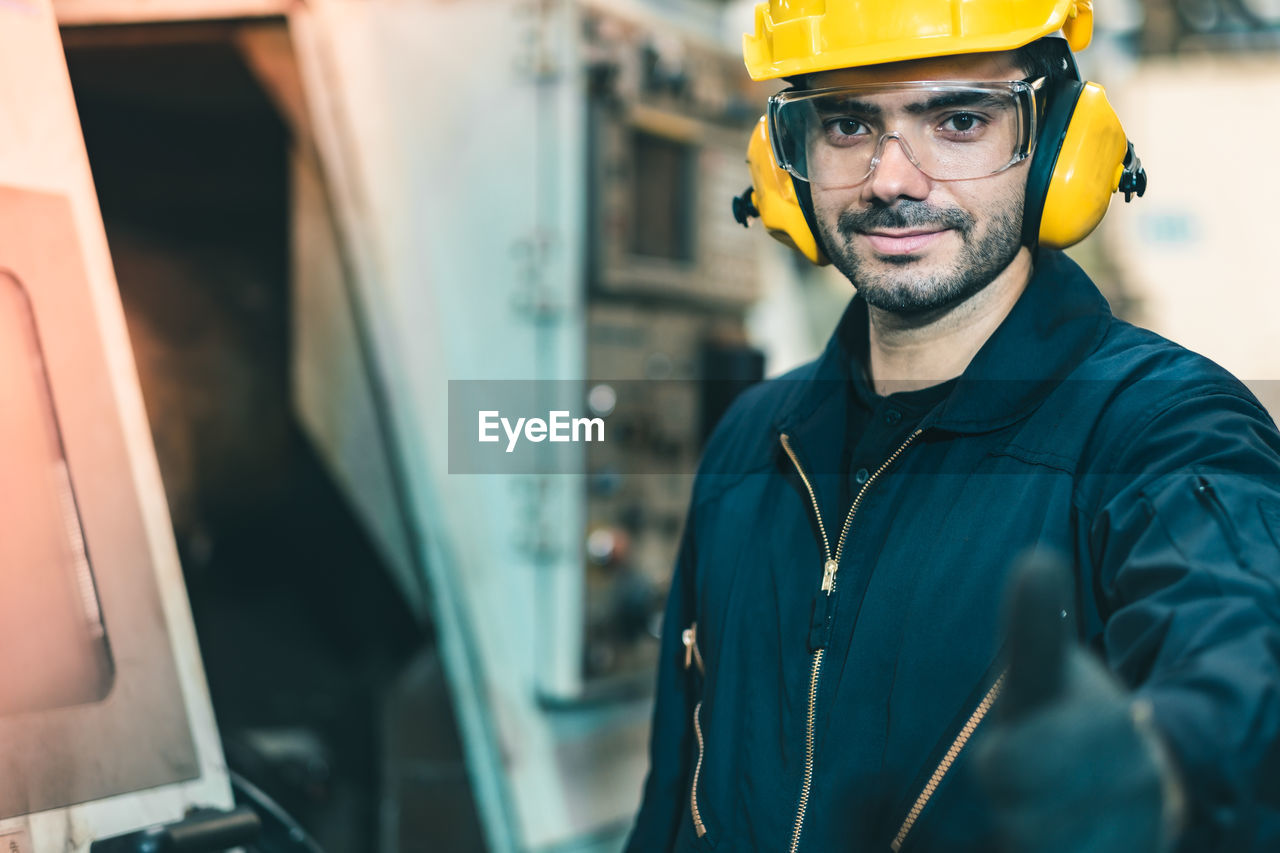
{"points": [[774, 197], [1090, 164]]}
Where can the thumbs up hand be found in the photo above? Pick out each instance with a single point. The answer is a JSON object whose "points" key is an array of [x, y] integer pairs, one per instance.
{"points": [[1070, 763]]}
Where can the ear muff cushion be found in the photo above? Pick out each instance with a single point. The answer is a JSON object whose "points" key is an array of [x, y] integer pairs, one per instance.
{"points": [[1060, 105]]}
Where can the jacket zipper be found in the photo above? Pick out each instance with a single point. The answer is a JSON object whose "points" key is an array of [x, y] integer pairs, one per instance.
{"points": [[692, 656], [698, 826], [1205, 492], [830, 565], [948, 759]]}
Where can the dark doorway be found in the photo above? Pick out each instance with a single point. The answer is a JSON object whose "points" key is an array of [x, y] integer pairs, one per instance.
{"points": [[301, 628]]}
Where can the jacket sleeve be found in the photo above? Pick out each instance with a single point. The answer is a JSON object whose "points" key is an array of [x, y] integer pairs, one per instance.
{"points": [[671, 738], [1186, 550]]}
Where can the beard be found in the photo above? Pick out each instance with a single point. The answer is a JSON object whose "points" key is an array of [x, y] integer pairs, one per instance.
{"points": [[906, 291]]}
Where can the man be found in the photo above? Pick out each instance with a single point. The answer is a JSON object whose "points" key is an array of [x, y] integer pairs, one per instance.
{"points": [[835, 673]]}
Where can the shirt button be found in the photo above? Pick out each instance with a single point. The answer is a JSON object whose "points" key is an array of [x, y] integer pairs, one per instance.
{"points": [[892, 416], [861, 476]]}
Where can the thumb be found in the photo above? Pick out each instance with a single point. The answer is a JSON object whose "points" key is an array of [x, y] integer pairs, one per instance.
{"points": [[1038, 594]]}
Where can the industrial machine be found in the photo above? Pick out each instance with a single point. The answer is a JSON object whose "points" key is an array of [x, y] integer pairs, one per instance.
{"points": [[551, 224], [524, 193]]}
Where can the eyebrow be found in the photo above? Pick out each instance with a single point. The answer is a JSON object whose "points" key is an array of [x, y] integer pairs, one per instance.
{"points": [[842, 105], [836, 104], [956, 99]]}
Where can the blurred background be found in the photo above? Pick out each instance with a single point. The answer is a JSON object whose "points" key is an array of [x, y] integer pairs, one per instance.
{"points": [[322, 212]]}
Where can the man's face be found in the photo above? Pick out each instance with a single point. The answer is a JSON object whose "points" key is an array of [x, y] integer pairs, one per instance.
{"points": [[909, 243]]}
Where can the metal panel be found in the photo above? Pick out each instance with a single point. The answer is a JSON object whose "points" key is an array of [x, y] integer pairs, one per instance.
{"points": [[116, 724], [55, 244]]}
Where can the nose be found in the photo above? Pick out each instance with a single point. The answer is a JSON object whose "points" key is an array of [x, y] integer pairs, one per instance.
{"points": [[894, 176]]}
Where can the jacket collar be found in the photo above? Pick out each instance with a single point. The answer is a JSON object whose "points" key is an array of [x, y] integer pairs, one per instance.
{"points": [[1059, 319]]}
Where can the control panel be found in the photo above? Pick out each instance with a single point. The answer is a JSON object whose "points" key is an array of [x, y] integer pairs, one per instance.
{"points": [[670, 275]]}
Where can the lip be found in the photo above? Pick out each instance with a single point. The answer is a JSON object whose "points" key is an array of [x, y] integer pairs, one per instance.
{"points": [[902, 242]]}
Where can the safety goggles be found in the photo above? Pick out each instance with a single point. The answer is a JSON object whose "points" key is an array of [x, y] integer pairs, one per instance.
{"points": [[834, 137]]}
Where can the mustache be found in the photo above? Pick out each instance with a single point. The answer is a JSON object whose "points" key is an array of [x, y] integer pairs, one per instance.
{"points": [[900, 215]]}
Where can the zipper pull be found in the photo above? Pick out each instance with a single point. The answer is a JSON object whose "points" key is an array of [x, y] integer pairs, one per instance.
{"points": [[829, 576], [689, 636]]}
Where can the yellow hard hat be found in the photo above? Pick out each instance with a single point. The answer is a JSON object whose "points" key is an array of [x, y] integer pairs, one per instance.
{"points": [[794, 37]]}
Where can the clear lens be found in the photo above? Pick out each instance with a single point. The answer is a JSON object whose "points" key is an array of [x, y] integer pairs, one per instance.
{"points": [[834, 137]]}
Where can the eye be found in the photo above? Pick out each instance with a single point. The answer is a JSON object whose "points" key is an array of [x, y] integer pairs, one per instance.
{"points": [[843, 130], [963, 124]]}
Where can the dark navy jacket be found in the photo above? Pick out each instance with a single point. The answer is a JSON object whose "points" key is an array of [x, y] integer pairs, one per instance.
{"points": [[1152, 468]]}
